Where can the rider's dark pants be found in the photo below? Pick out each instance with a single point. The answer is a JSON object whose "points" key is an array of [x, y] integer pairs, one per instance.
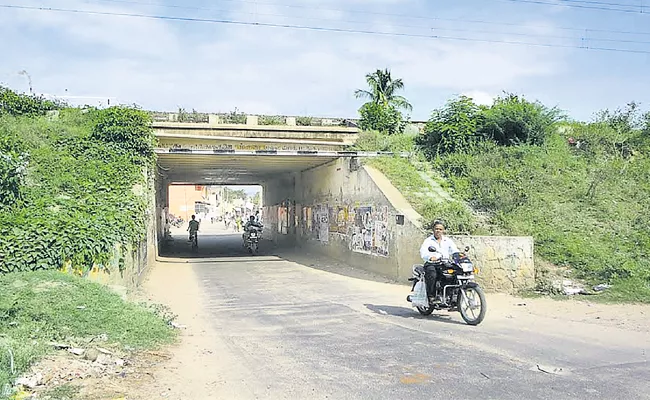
{"points": [[430, 276]]}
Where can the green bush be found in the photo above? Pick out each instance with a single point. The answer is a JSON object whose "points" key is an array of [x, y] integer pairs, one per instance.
{"points": [[383, 118], [514, 120], [75, 200], [584, 209], [453, 128], [304, 121], [13, 166], [234, 117], [129, 128], [271, 120], [461, 125], [12, 103]]}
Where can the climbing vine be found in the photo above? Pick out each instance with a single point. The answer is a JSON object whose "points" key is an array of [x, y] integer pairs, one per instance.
{"points": [[82, 192]]}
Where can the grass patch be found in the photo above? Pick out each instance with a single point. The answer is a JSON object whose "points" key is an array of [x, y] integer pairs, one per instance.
{"points": [[37, 308], [63, 392], [404, 175]]}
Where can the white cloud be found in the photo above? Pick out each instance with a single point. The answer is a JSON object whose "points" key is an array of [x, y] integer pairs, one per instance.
{"points": [[481, 98], [211, 67]]}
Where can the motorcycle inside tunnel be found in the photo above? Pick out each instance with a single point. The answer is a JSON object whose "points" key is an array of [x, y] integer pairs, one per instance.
{"points": [[223, 192]]}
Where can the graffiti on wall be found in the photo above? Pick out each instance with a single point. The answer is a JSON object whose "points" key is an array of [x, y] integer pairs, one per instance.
{"points": [[363, 228]]}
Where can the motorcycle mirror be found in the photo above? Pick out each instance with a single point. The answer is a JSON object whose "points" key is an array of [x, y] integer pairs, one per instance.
{"points": [[432, 249]]}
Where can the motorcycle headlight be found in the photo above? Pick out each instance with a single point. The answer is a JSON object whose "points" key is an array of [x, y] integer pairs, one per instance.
{"points": [[467, 267]]}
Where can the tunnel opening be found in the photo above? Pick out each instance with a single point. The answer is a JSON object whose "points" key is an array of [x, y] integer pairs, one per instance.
{"points": [[221, 211], [193, 180]]}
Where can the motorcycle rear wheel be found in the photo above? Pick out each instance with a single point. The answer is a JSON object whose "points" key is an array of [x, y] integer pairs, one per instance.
{"points": [[472, 319]]}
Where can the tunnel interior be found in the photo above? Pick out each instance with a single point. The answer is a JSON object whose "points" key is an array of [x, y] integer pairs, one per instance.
{"points": [[210, 176]]}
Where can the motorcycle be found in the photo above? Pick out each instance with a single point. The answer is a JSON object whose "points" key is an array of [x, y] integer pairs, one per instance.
{"points": [[455, 286], [251, 242]]}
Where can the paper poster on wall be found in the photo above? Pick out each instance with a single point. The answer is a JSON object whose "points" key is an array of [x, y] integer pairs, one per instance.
{"points": [[283, 220], [307, 222], [322, 217]]}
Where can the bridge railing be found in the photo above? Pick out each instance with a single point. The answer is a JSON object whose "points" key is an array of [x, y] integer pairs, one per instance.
{"points": [[244, 119]]}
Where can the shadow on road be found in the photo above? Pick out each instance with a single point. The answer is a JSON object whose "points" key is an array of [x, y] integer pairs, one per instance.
{"points": [[213, 242], [412, 313], [327, 264]]}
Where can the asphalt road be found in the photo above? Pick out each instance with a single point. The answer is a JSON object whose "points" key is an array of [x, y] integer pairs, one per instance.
{"points": [[297, 330]]}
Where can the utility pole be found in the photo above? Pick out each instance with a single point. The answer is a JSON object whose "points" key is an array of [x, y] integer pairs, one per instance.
{"points": [[29, 80]]}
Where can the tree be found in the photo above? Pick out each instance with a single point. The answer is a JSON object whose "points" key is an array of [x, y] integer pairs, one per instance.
{"points": [[385, 119], [452, 128], [232, 194], [383, 90], [513, 120], [382, 113]]}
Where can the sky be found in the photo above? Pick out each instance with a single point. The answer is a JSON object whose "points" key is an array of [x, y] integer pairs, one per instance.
{"points": [[307, 57]]}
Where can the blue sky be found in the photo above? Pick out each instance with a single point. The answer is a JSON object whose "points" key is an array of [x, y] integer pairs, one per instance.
{"points": [[212, 67]]}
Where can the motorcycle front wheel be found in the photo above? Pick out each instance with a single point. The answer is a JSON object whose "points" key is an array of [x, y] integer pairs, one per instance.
{"points": [[468, 305]]}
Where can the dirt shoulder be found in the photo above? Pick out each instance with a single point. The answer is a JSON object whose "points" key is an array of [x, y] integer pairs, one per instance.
{"points": [[199, 366]]}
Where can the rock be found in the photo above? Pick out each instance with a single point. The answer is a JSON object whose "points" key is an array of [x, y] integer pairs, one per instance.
{"points": [[76, 352], [30, 382], [103, 359], [569, 287], [102, 350], [91, 355], [119, 362], [178, 326], [547, 369]]}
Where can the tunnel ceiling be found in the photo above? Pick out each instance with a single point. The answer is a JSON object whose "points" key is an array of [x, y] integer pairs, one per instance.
{"points": [[247, 168]]}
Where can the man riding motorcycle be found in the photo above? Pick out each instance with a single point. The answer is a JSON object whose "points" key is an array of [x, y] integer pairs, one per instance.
{"points": [[444, 246], [251, 222]]}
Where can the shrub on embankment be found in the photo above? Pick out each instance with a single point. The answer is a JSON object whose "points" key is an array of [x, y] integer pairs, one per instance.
{"points": [[582, 190], [71, 187]]}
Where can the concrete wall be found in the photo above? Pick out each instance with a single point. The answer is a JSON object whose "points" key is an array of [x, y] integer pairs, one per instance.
{"points": [[350, 212]]}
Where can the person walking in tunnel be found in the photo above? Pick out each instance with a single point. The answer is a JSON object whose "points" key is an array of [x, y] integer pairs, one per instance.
{"points": [[193, 227], [238, 223]]}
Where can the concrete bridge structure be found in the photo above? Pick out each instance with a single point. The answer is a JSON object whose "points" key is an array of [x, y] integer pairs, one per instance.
{"points": [[318, 195]]}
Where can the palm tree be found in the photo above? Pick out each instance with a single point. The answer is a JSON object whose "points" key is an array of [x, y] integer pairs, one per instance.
{"points": [[383, 89]]}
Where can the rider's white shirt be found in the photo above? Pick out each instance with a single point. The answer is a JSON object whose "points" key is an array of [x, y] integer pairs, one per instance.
{"points": [[444, 249]]}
